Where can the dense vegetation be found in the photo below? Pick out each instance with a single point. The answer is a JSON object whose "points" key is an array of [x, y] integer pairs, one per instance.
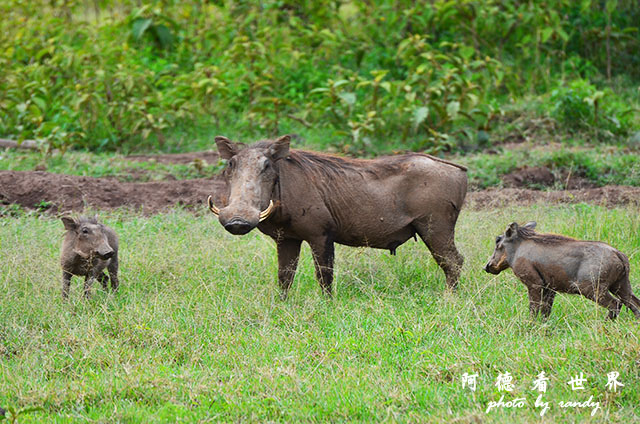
{"points": [[362, 76], [198, 333]]}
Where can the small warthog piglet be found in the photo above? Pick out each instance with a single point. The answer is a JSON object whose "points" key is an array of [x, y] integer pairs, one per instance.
{"points": [[550, 263], [88, 248]]}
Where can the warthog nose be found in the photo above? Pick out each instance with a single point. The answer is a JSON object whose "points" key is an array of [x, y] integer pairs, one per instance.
{"points": [[238, 226], [107, 255]]}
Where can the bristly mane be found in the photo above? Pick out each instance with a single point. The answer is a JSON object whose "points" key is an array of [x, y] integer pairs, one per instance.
{"points": [[87, 219], [332, 165], [528, 234], [314, 162]]}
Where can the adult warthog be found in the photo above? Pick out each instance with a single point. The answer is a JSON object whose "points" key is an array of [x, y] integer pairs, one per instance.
{"points": [[295, 195]]}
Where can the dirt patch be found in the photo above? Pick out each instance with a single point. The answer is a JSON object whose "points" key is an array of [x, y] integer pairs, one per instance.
{"points": [[528, 177], [542, 177], [210, 157], [609, 196], [60, 193]]}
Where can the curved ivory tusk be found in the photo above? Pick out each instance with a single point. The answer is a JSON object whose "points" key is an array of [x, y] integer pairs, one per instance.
{"points": [[212, 207], [265, 213]]}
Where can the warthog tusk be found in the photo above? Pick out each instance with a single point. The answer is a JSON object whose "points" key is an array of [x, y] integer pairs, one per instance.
{"points": [[212, 207], [265, 213]]}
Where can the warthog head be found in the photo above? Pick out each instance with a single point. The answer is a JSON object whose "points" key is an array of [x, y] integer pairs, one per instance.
{"points": [[89, 237], [251, 176], [505, 248]]}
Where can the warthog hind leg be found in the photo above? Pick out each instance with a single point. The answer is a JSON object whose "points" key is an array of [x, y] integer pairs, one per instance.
{"points": [[622, 289], [603, 298], [439, 238], [323, 253]]}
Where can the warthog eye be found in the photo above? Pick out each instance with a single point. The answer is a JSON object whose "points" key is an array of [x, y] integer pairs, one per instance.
{"points": [[85, 231], [266, 165]]}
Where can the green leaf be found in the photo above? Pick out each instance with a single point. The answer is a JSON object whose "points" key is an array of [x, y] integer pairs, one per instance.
{"points": [[562, 34], [163, 35], [42, 105], [319, 90], [348, 97], [546, 34], [467, 52], [139, 28], [419, 115], [452, 109]]}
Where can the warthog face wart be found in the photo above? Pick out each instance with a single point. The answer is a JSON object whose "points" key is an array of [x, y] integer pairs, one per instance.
{"points": [[90, 238], [250, 176], [504, 249]]}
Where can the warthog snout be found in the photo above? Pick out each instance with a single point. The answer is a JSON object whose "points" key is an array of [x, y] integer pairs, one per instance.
{"points": [[105, 254], [491, 269], [238, 226]]}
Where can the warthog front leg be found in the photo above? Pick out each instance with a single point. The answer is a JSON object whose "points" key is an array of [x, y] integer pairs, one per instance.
{"points": [[88, 281], [288, 254], [323, 253], [535, 299], [113, 272], [66, 284]]}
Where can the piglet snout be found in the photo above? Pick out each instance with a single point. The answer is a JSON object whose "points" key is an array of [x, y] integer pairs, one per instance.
{"points": [[106, 254]]}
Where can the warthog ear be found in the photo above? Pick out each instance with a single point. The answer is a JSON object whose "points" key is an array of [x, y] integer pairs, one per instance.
{"points": [[70, 224], [530, 225], [226, 147], [511, 230], [280, 148]]}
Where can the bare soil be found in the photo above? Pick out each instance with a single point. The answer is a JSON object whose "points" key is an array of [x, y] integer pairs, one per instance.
{"points": [[543, 177], [60, 193], [609, 196]]}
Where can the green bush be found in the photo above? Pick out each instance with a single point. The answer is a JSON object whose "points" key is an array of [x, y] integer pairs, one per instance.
{"points": [[580, 105], [379, 75]]}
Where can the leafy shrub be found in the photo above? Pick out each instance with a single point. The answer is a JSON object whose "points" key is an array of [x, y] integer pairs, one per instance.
{"points": [[580, 105], [380, 75]]}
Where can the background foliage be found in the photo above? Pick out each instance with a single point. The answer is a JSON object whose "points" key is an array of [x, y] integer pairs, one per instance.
{"points": [[373, 75]]}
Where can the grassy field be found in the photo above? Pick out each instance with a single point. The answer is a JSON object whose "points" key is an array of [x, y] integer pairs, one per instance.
{"points": [[198, 333]]}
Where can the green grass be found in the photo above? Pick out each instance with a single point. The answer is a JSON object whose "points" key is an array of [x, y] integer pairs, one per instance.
{"points": [[198, 333], [103, 165]]}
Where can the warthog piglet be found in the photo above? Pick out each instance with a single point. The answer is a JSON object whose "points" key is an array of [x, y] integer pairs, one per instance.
{"points": [[88, 248], [551, 263]]}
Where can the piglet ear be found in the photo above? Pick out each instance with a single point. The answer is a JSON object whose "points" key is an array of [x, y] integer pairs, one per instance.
{"points": [[226, 147], [531, 225], [280, 148], [511, 230], [70, 224]]}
